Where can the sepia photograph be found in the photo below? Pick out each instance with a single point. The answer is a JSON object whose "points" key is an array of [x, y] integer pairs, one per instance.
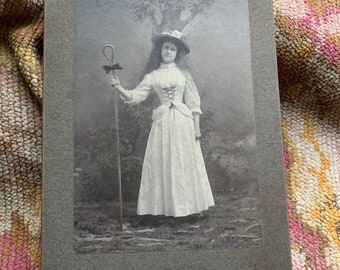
{"points": [[165, 154]]}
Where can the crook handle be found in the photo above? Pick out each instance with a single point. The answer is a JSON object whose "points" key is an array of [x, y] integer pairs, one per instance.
{"points": [[109, 57]]}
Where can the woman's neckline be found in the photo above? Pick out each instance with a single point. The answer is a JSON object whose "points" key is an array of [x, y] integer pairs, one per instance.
{"points": [[167, 65]]}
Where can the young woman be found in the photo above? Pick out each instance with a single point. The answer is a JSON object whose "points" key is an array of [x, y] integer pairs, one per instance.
{"points": [[174, 179]]}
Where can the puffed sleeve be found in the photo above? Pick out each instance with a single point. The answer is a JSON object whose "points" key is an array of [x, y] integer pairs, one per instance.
{"points": [[191, 97], [141, 92]]}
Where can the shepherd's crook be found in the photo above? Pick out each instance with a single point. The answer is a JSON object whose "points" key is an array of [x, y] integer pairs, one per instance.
{"points": [[108, 69]]}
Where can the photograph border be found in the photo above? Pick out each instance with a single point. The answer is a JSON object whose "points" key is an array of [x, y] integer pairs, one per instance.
{"points": [[58, 159]]}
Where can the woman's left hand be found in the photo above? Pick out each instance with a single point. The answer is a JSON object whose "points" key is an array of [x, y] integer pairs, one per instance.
{"points": [[197, 129], [198, 133]]}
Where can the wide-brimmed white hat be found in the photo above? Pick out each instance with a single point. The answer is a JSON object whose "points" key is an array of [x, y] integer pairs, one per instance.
{"points": [[175, 34]]}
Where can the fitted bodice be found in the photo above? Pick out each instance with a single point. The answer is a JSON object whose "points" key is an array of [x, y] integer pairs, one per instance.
{"points": [[169, 83], [172, 85]]}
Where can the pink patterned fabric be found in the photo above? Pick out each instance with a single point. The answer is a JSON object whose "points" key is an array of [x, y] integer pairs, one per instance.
{"points": [[308, 41], [21, 29]]}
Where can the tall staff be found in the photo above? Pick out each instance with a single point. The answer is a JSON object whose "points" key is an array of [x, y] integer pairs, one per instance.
{"points": [[108, 69]]}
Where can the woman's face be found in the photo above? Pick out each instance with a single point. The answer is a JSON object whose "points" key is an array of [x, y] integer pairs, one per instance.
{"points": [[169, 52]]}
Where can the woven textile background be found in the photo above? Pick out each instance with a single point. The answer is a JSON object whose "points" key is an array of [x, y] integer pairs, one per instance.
{"points": [[308, 51], [308, 43]]}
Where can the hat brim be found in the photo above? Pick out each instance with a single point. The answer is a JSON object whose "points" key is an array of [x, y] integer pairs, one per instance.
{"points": [[158, 38]]}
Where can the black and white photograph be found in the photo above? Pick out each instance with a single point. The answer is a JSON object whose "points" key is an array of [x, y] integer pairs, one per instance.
{"points": [[165, 154]]}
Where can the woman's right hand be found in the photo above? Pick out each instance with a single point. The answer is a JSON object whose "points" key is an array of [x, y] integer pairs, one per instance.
{"points": [[115, 81], [126, 95]]}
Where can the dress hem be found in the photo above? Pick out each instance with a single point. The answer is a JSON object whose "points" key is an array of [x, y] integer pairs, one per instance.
{"points": [[184, 215]]}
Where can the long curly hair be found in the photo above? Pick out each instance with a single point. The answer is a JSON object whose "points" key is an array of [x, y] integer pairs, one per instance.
{"points": [[155, 58]]}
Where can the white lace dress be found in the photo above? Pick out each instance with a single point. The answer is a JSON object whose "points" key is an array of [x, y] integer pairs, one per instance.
{"points": [[174, 179]]}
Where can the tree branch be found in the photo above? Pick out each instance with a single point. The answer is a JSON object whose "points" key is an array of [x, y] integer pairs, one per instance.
{"points": [[189, 19], [154, 19], [107, 3], [160, 7]]}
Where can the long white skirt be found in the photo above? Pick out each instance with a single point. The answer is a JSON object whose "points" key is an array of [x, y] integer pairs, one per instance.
{"points": [[174, 179]]}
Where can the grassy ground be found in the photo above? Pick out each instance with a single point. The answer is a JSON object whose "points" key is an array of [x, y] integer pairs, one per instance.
{"points": [[232, 222]]}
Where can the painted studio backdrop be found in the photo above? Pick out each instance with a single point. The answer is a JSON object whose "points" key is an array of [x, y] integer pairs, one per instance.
{"points": [[220, 63]]}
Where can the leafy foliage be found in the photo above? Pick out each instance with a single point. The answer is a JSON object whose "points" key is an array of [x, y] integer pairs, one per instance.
{"points": [[169, 14], [94, 163], [165, 14]]}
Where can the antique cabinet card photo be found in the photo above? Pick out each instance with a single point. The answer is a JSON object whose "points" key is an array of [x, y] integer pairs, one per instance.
{"points": [[162, 139]]}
